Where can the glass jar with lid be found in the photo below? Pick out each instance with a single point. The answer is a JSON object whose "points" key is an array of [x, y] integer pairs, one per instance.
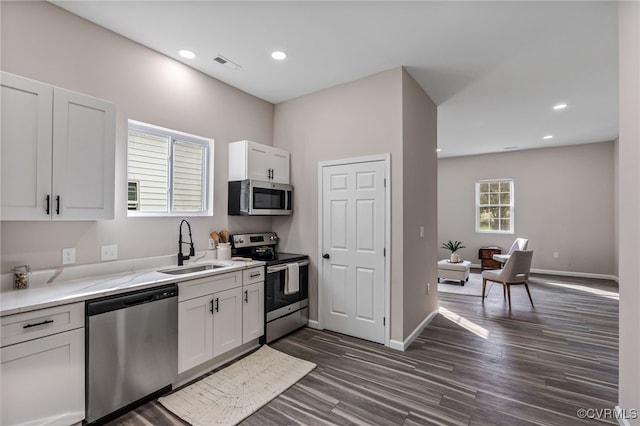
{"points": [[21, 276]]}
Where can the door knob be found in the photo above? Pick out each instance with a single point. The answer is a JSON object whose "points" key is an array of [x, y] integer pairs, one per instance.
{"points": [[326, 255]]}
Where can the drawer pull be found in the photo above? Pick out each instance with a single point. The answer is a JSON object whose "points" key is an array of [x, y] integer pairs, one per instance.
{"points": [[38, 323], [257, 274]]}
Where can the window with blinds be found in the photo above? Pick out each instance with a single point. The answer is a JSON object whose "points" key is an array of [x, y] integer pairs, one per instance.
{"points": [[170, 171]]}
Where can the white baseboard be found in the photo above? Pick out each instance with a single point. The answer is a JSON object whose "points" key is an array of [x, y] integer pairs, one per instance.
{"points": [[575, 274], [313, 324], [402, 346], [566, 273]]}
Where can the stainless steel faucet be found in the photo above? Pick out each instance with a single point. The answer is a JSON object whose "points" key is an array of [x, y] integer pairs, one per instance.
{"points": [[182, 257]]}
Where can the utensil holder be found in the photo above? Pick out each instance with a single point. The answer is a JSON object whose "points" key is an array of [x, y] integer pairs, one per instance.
{"points": [[224, 251]]}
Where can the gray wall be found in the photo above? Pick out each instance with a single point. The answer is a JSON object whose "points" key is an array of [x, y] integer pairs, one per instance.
{"points": [[564, 202], [46, 43], [629, 208], [420, 187], [382, 113]]}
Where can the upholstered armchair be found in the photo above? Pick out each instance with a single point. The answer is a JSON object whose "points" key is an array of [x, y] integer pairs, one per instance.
{"points": [[516, 271], [518, 244]]}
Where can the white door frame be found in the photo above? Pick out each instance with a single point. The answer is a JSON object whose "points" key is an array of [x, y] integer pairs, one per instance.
{"points": [[386, 158]]}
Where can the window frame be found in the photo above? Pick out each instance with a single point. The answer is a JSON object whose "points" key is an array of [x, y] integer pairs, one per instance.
{"points": [[176, 136], [511, 205]]}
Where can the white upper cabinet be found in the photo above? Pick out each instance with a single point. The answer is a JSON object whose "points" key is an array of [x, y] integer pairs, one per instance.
{"points": [[251, 160], [58, 153]]}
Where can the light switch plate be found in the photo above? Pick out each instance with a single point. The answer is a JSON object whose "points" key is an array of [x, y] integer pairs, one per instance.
{"points": [[109, 252], [68, 256]]}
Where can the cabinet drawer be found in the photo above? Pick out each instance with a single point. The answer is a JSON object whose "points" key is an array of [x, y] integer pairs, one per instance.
{"points": [[253, 275], [208, 285], [32, 325]]}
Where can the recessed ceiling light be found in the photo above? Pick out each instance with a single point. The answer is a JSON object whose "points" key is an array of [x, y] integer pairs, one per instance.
{"points": [[278, 55], [560, 106], [439, 150], [188, 54], [547, 137]]}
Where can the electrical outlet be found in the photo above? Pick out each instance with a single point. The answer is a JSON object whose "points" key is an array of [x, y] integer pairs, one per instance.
{"points": [[556, 255], [428, 288], [109, 252], [68, 256], [212, 244], [422, 232]]}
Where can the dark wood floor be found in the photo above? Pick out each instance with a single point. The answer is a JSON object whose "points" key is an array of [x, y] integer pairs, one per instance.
{"points": [[475, 364]]}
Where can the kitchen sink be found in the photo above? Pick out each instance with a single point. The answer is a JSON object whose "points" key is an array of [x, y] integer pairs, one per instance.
{"points": [[190, 269]]}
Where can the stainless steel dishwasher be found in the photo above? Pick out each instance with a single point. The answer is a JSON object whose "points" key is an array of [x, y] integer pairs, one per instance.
{"points": [[132, 349]]}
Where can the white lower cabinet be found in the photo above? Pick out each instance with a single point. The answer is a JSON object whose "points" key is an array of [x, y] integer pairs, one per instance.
{"points": [[195, 332], [43, 381], [252, 311], [227, 320], [217, 314]]}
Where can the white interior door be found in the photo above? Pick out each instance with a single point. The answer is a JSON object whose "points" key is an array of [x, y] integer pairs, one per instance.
{"points": [[353, 245]]}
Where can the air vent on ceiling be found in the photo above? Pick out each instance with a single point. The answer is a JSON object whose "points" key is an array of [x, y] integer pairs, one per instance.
{"points": [[226, 62]]}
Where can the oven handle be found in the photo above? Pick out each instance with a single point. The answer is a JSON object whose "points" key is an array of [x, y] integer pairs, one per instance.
{"points": [[278, 268]]}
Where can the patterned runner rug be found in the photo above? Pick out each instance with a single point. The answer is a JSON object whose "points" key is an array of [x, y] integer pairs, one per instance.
{"points": [[235, 392]]}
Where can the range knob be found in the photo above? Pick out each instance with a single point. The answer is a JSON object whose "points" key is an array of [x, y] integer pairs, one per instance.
{"points": [[273, 238], [239, 241]]}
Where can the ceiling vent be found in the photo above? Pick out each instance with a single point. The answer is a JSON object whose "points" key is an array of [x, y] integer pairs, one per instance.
{"points": [[226, 62]]}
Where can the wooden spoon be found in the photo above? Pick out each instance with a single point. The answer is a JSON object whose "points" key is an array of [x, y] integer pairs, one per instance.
{"points": [[224, 236], [215, 237]]}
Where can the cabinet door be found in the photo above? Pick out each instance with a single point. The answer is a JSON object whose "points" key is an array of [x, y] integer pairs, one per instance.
{"points": [[83, 157], [253, 311], [279, 163], [227, 320], [258, 162], [43, 381], [195, 332], [27, 108]]}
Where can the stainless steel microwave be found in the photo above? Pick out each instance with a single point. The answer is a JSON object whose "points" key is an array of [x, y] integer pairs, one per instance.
{"points": [[259, 198]]}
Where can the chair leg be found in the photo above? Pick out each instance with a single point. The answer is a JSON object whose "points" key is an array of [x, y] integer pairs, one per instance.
{"points": [[504, 291], [484, 285], [526, 286], [508, 294]]}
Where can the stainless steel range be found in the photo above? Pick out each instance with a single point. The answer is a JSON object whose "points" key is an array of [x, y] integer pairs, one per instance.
{"points": [[286, 283]]}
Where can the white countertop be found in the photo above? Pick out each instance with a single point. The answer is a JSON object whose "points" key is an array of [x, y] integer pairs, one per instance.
{"points": [[80, 289]]}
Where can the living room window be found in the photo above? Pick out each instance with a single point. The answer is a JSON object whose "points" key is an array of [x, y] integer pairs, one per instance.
{"points": [[494, 206], [168, 172]]}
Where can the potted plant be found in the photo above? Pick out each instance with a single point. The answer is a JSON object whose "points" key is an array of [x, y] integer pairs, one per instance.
{"points": [[453, 247]]}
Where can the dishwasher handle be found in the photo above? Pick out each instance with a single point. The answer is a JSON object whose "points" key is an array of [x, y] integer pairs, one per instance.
{"points": [[129, 300]]}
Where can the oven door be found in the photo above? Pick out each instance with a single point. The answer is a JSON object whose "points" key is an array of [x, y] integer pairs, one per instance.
{"points": [[268, 198], [277, 302]]}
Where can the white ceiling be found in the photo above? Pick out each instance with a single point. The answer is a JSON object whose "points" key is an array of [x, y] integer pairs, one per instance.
{"points": [[495, 69]]}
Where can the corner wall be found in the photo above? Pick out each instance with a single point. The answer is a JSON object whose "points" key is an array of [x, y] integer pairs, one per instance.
{"points": [[629, 208], [44, 42], [420, 170], [354, 119], [564, 203]]}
